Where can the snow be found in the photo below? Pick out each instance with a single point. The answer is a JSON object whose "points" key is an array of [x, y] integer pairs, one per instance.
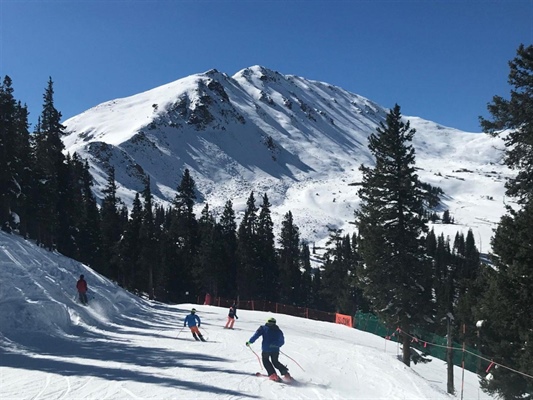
{"points": [[124, 347]]}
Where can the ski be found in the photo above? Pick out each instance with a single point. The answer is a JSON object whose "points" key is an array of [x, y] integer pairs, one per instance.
{"points": [[281, 380]]}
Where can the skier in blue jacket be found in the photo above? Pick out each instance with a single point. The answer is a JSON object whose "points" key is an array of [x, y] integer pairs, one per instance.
{"points": [[272, 341], [191, 320]]}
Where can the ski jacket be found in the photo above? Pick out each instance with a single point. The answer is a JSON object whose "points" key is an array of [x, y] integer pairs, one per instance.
{"points": [[191, 320], [233, 312], [272, 338], [81, 286]]}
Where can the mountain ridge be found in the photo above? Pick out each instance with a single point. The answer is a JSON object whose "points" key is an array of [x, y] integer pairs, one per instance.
{"points": [[298, 140]]}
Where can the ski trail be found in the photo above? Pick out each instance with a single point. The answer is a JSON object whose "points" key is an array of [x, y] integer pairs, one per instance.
{"points": [[47, 383], [130, 393], [64, 396]]}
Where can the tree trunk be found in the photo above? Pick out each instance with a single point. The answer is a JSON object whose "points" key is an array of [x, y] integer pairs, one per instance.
{"points": [[449, 358], [406, 350], [151, 294]]}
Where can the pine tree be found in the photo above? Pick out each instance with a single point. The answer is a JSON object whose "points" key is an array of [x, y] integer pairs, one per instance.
{"points": [[469, 271], [15, 161], [289, 263], [186, 195], [208, 273], [338, 278], [130, 246], [228, 260], [445, 283], [183, 236], [444, 274], [505, 308], [249, 274], [68, 200], [79, 223], [49, 160], [266, 252], [396, 271], [25, 165], [112, 228], [356, 290], [149, 238], [316, 291], [516, 116], [9, 186], [306, 292], [89, 234]]}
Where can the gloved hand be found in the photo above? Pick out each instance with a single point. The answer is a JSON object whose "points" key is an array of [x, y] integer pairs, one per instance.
{"points": [[236, 317], [248, 344]]}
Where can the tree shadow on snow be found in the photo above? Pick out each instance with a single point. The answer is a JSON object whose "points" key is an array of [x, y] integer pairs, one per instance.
{"points": [[96, 348]]}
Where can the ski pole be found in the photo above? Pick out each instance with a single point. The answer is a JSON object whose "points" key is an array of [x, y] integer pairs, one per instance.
{"points": [[180, 332], [205, 333], [258, 359], [292, 360]]}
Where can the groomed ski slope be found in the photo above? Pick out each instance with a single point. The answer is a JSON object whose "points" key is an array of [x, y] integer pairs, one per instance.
{"points": [[123, 347]]}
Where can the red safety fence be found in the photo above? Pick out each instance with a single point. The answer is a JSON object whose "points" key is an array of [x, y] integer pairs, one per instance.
{"points": [[263, 305]]}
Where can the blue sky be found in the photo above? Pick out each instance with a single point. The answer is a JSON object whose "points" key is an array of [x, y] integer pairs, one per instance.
{"points": [[439, 60]]}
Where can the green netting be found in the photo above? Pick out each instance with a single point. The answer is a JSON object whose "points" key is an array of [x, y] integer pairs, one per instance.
{"points": [[428, 343]]}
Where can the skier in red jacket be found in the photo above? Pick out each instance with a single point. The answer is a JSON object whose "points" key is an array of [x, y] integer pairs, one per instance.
{"points": [[82, 290]]}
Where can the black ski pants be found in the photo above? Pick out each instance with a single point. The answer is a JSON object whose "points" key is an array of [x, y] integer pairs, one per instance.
{"points": [[269, 366], [83, 298]]}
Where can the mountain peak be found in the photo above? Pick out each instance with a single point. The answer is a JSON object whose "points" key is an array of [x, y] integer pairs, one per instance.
{"points": [[300, 141], [258, 73]]}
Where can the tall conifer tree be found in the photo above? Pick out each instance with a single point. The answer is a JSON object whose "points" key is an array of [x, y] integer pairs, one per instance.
{"points": [[9, 186], [130, 247], [149, 238], [228, 261], [306, 292], [89, 234], [112, 227], [266, 252], [289, 262], [249, 274], [396, 271], [49, 161], [183, 234], [338, 277], [505, 308], [209, 272]]}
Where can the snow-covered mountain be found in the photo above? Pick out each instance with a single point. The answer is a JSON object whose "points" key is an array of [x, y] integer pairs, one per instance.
{"points": [[300, 141]]}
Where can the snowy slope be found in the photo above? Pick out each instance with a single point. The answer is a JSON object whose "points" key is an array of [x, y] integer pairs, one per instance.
{"points": [[299, 141], [122, 347]]}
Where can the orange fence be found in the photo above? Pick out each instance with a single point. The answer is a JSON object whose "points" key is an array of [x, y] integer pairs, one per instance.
{"points": [[263, 305]]}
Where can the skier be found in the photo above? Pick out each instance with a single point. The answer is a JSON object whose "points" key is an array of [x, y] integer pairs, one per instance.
{"points": [[232, 314], [191, 320], [272, 340], [81, 285]]}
